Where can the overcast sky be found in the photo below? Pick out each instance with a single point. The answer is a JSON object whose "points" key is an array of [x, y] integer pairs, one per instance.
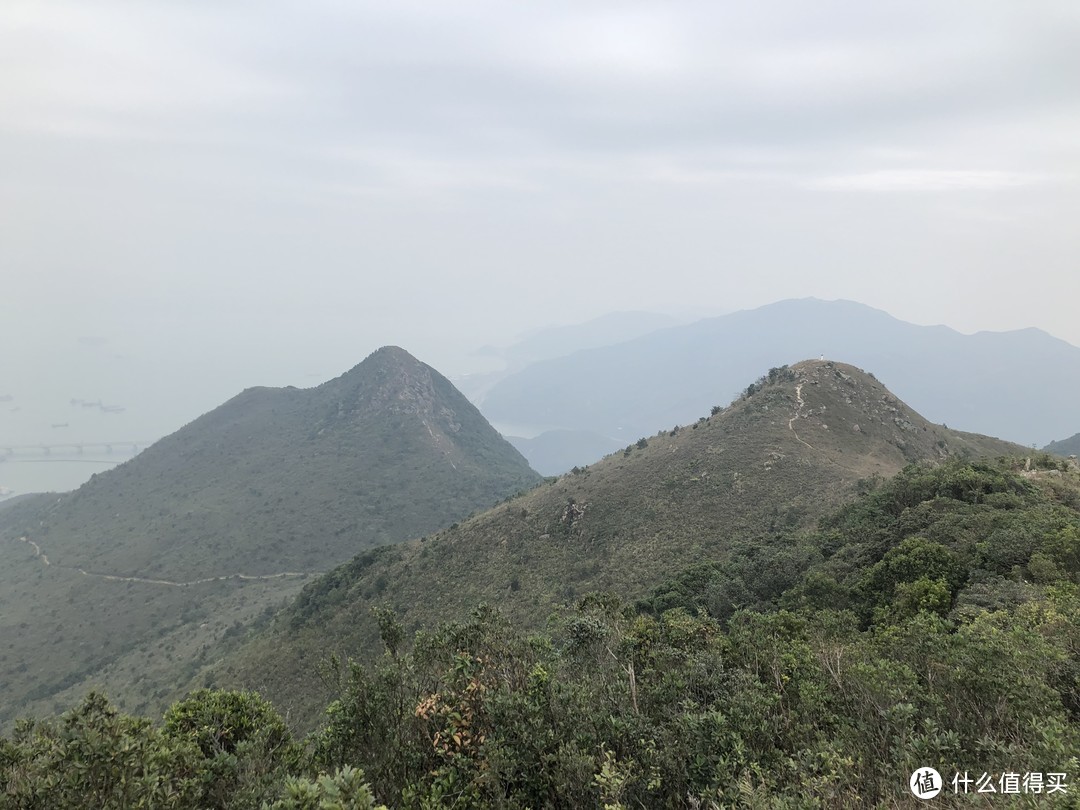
{"points": [[197, 196]]}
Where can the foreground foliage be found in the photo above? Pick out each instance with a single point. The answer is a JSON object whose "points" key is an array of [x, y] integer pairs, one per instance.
{"points": [[936, 622]]}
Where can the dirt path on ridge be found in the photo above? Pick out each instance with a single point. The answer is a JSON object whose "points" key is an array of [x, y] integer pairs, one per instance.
{"points": [[791, 426], [39, 554], [797, 415]]}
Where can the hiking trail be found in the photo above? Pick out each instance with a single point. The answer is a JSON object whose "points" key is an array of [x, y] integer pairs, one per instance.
{"points": [[797, 415], [39, 554]]}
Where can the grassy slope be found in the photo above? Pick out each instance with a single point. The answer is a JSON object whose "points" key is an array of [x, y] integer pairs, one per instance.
{"points": [[7, 503], [647, 513], [275, 480]]}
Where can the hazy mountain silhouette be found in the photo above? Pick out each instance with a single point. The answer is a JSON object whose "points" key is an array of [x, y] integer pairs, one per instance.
{"points": [[556, 341], [1020, 385]]}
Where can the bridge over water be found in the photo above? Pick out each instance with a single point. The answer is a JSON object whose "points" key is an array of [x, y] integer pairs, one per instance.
{"points": [[70, 450]]}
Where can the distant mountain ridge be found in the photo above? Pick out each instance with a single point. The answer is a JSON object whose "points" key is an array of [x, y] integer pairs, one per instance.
{"points": [[1065, 447], [1019, 385], [614, 327], [231, 511], [799, 442], [556, 341]]}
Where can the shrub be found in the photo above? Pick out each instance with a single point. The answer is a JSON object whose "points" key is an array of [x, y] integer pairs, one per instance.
{"points": [[244, 746], [345, 790]]}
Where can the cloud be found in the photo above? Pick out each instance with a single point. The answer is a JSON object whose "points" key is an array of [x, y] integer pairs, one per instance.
{"points": [[926, 180], [103, 70], [378, 163]]}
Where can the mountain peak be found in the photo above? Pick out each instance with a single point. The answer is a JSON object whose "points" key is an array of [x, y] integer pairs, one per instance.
{"points": [[383, 358], [391, 380], [846, 417], [391, 354]]}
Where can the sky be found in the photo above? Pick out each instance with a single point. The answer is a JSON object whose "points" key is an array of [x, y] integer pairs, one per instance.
{"points": [[197, 197]]}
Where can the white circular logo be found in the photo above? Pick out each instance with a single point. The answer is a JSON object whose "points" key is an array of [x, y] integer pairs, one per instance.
{"points": [[925, 783]]}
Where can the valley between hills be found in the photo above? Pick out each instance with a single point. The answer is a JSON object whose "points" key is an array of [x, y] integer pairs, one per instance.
{"points": [[802, 442], [369, 563]]}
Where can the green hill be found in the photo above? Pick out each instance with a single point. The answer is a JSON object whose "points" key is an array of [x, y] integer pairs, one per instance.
{"points": [[128, 579], [799, 442], [1065, 447]]}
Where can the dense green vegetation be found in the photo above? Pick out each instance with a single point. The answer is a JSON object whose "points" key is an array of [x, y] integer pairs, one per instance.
{"points": [[213, 751], [933, 622]]}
